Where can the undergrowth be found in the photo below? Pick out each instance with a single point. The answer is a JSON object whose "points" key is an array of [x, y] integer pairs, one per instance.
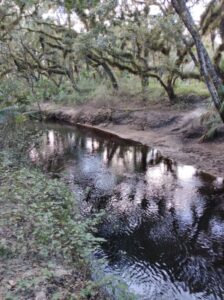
{"points": [[96, 90], [40, 223]]}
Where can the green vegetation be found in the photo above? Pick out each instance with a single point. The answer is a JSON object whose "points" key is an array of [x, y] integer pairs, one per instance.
{"points": [[41, 226], [189, 88], [102, 49], [44, 215]]}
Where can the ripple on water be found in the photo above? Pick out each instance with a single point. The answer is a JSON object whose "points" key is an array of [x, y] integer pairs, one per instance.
{"points": [[164, 222]]}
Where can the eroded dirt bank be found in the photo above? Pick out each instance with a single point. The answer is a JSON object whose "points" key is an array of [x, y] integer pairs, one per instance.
{"points": [[175, 133]]}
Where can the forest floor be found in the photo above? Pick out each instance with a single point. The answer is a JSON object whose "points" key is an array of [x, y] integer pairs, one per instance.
{"points": [[175, 130]]}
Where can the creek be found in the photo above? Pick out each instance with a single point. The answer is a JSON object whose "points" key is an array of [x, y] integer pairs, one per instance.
{"points": [[163, 223]]}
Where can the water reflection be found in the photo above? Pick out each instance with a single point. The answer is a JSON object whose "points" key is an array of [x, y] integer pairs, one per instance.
{"points": [[164, 223]]}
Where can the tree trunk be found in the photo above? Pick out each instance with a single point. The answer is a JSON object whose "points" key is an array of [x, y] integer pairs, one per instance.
{"points": [[171, 94], [145, 85], [212, 79], [110, 75], [169, 87]]}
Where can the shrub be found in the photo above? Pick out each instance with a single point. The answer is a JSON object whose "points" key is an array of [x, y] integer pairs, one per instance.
{"points": [[44, 218]]}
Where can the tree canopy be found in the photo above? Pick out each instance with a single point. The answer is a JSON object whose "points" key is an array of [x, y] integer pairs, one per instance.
{"points": [[54, 44]]}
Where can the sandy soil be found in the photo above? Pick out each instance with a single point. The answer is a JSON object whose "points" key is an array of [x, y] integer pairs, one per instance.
{"points": [[175, 132]]}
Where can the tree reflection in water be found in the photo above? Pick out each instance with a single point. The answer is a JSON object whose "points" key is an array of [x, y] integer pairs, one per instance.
{"points": [[164, 223]]}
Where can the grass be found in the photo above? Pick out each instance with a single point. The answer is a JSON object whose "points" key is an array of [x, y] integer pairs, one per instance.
{"points": [[192, 87], [100, 91], [130, 90]]}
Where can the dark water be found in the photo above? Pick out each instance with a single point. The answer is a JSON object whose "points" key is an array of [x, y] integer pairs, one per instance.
{"points": [[164, 225]]}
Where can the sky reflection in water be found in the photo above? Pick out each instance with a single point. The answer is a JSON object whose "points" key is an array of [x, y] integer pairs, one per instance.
{"points": [[164, 223]]}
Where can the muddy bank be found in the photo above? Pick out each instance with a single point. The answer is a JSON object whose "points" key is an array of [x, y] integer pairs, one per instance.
{"points": [[176, 133]]}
